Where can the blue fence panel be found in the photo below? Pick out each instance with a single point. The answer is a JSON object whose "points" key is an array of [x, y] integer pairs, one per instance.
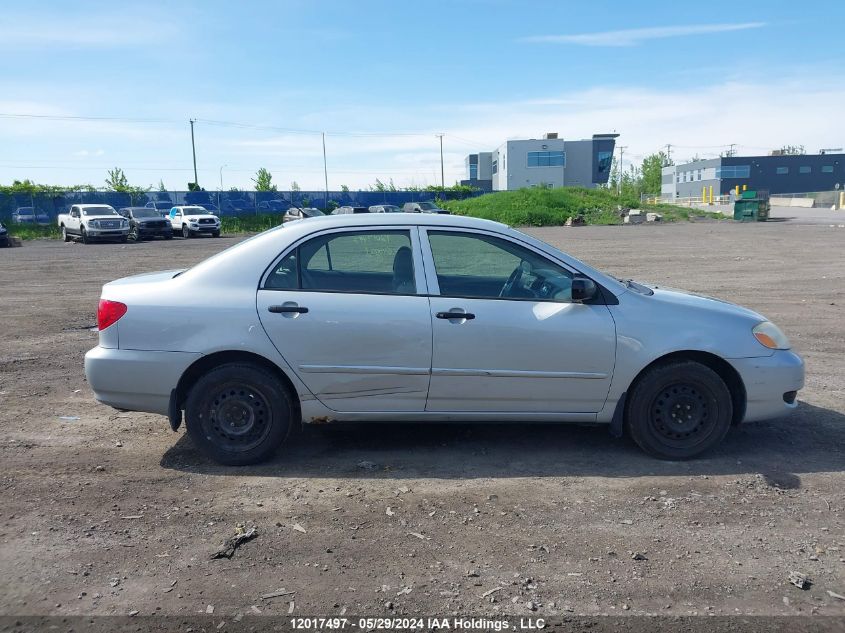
{"points": [[229, 203]]}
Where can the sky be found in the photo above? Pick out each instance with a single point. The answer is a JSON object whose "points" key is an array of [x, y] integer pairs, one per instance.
{"points": [[87, 86]]}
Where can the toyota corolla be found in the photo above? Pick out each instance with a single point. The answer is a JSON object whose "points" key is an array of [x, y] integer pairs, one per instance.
{"points": [[428, 318]]}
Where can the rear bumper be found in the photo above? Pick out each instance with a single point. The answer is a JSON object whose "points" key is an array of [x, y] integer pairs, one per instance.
{"points": [[133, 379], [767, 380]]}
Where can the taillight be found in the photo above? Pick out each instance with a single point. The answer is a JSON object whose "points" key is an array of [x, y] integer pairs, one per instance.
{"points": [[108, 313]]}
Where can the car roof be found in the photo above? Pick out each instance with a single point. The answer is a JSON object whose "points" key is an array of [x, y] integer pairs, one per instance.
{"points": [[92, 204], [420, 219]]}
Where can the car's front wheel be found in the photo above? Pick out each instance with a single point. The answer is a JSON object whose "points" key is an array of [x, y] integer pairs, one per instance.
{"points": [[85, 238], [65, 236], [679, 410], [186, 232], [238, 414]]}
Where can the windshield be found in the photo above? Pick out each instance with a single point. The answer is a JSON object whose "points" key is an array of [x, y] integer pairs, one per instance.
{"points": [[163, 205], [195, 210], [426, 206], [146, 213], [99, 211]]}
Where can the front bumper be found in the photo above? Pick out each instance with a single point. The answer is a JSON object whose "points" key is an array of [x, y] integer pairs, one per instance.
{"points": [[136, 380], [154, 231], [204, 228], [107, 234], [767, 380]]}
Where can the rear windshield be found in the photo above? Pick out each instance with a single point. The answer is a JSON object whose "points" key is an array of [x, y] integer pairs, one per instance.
{"points": [[99, 211], [146, 213]]}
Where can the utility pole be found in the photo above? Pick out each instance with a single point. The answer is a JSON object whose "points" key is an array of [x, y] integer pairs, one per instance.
{"points": [[732, 151], [668, 153], [194, 150], [325, 169], [442, 176], [622, 149], [221, 185]]}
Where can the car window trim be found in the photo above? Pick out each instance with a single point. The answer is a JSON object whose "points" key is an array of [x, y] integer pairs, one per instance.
{"points": [[419, 274], [434, 285]]}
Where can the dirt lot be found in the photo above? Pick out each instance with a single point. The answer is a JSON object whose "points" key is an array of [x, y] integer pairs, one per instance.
{"points": [[112, 512]]}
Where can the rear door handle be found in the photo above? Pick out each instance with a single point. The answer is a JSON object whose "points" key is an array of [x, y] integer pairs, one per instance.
{"points": [[287, 309], [455, 315]]}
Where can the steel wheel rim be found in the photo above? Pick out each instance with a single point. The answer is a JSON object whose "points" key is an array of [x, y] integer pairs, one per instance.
{"points": [[682, 414], [239, 417]]}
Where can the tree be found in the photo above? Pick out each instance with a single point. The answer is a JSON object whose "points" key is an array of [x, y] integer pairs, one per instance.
{"points": [[117, 180], [652, 172], [294, 186], [344, 189], [161, 186], [264, 180]]}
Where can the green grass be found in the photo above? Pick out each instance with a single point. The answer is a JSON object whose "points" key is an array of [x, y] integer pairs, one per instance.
{"points": [[33, 231], [552, 207], [250, 223]]}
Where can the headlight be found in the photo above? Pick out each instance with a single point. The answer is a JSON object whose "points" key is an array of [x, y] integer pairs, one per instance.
{"points": [[94, 223], [770, 336]]}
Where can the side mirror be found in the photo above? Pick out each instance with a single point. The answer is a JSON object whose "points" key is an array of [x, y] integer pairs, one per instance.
{"points": [[583, 289]]}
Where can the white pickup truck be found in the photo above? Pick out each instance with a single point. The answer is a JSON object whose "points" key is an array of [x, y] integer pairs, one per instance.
{"points": [[93, 222], [190, 221]]}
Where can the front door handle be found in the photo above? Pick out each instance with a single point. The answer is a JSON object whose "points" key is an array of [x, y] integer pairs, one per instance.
{"points": [[455, 315], [285, 309]]}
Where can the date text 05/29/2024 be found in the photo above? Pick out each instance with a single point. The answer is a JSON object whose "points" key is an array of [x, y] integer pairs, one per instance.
{"points": [[416, 623]]}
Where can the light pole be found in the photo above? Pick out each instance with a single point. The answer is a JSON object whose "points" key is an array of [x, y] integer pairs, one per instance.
{"points": [[325, 171], [221, 186], [622, 149], [442, 178], [194, 151]]}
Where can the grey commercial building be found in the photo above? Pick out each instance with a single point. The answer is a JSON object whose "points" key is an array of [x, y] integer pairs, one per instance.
{"points": [[547, 162], [775, 174]]}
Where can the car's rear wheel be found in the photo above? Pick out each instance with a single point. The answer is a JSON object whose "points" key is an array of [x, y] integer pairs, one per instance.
{"points": [[679, 410], [186, 233], [238, 414]]}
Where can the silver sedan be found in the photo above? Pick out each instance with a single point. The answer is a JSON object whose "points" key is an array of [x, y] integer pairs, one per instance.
{"points": [[428, 318]]}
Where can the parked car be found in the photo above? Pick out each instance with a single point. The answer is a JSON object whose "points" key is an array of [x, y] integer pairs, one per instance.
{"points": [[193, 221], [273, 205], [385, 208], [429, 318], [296, 213], [162, 206], [93, 222], [422, 207], [4, 235], [29, 215], [347, 209], [236, 204], [146, 223]]}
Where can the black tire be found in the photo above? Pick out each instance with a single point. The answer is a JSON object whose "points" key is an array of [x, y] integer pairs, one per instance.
{"points": [[168, 236], [186, 232], [85, 238], [678, 410], [123, 239], [65, 236], [239, 414], [134, 234]]}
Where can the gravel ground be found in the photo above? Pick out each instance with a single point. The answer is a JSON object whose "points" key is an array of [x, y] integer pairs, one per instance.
{"points": [[112, 513]]}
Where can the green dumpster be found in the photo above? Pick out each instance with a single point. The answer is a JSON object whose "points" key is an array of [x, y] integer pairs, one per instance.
{"points": [[752, 206]]}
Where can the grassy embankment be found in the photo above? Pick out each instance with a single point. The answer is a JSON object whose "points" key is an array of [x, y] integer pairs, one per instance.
{"points": [[551, 207]]}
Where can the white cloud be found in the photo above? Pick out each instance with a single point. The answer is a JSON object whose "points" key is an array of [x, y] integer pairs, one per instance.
{"points": [[632, 37]]}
